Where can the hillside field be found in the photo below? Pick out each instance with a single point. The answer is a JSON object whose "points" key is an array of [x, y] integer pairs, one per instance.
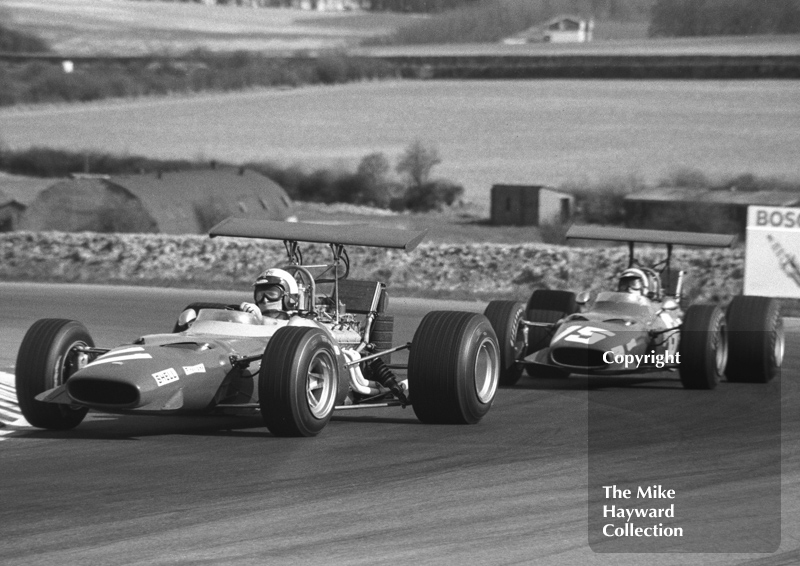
{"points": [[487, 132], [128, 27]]}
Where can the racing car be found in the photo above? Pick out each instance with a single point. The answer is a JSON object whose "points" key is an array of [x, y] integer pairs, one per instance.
{"points": [[331, 351], [640, 326]]}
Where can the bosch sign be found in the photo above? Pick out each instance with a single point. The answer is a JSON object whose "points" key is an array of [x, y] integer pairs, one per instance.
{"points": [[776, 217], [772, 255]]}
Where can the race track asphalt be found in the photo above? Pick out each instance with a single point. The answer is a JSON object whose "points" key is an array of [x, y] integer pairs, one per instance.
{"points": [[378, 487]]}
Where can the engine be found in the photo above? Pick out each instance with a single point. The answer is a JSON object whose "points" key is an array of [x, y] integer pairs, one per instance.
{"points": [[346, 336]]}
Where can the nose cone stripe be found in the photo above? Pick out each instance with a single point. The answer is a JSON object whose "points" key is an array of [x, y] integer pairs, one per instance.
{"points": [[115, 358], [119, 351]]}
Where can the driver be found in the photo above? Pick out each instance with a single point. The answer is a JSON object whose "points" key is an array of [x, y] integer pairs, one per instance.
{"points": [[633, 281], [275, 295]]}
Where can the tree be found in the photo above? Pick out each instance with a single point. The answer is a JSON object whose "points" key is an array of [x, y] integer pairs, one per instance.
{"points": [[417, 162], [373, 176]]}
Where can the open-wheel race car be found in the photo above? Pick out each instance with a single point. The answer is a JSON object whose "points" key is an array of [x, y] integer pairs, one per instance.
{"points": [[327, 347], [640, 326]]}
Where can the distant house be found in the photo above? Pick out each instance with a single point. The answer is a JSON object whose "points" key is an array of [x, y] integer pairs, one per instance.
{"points": [[530, 205], [568, 29], [16, 194], [700, 210], [182, 202], [562, 29]]}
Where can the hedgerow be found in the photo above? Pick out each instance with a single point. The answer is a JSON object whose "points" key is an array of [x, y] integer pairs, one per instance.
{"points": [[46, 82], [371, 184]]}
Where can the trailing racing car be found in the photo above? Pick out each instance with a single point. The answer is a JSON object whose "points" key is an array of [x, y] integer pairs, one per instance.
{"points": [[640, 326], [328, 350]]}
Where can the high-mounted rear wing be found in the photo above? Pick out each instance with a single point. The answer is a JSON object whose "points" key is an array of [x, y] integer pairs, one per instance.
{"points": [[333, 234], [632, 235]]}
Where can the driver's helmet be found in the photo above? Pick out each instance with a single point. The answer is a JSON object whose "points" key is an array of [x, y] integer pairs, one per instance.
{"points": [[633, 280], [653, 283], [275, 289]]}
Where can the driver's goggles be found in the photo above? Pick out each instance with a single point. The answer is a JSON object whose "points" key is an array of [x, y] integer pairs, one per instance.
{"points": [[269, 293]]}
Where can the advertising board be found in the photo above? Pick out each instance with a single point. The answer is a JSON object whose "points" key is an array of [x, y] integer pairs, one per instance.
{"points": [[772, 253]]}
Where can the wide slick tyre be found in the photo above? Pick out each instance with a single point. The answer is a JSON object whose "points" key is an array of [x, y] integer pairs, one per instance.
{"points": [[47, 357], [548, 306], [298, 381], [453, 368], [703, 347], [506, 320], [756, 339]]}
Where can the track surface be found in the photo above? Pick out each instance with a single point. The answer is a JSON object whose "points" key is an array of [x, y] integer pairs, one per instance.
{"points": [[373, 488]]}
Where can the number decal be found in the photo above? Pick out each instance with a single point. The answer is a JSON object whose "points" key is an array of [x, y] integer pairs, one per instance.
{"points": [[583, 334]]}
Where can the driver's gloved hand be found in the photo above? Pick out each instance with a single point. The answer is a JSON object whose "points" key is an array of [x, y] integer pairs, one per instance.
{"points": [[251, 308]]}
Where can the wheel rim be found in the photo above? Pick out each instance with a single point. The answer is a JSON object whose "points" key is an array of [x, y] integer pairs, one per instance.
{"points": [[721, 353], [320, 384], [779, 342], [72, 362], [486, 370], [518, 344]]}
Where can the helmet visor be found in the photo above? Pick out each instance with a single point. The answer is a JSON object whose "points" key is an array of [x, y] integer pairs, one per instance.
{"points": [[634, 284]]}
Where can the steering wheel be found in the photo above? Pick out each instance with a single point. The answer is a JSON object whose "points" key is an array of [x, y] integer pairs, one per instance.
{"points": [[303, 275]]}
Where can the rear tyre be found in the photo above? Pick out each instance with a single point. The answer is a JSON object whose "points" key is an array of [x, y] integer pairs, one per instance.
{"points": [[756, 339], [453, 368], [506, 320], [703, 347], [47, 358], [546, 306], [297, 383], [196, 307]]}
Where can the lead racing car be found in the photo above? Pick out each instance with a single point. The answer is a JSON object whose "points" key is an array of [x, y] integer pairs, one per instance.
{"points": [[640, 326], [329, 352]]}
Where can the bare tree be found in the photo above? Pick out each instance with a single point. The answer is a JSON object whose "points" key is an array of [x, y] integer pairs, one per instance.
{"points": [[417, 162]]}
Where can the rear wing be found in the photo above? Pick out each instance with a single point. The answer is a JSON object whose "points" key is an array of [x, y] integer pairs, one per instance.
{"points": [[333, 234], [632, 235], [336, 236], [673, 283]]}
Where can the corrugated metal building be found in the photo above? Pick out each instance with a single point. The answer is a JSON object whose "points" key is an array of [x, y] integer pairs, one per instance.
{"points": [[530, 205], [700, 210], [181, 202]]}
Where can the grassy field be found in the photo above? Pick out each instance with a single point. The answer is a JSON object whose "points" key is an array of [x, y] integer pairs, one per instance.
{"points": [[130, 27], [487, 132]]}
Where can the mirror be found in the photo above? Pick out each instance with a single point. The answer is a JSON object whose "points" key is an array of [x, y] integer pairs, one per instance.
{"points": [[583, 297], [187, 317]]}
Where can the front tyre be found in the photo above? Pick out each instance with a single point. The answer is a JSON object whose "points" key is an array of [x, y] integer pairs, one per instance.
{"points": [[756, 338], [703, 347], [297, 383], [47, 357], [506, 320], [453, 368]]}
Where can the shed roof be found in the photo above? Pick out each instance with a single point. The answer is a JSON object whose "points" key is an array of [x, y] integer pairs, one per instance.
{"points": [[563, 17], [170, 197], [536, 188], [743, 198]]}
